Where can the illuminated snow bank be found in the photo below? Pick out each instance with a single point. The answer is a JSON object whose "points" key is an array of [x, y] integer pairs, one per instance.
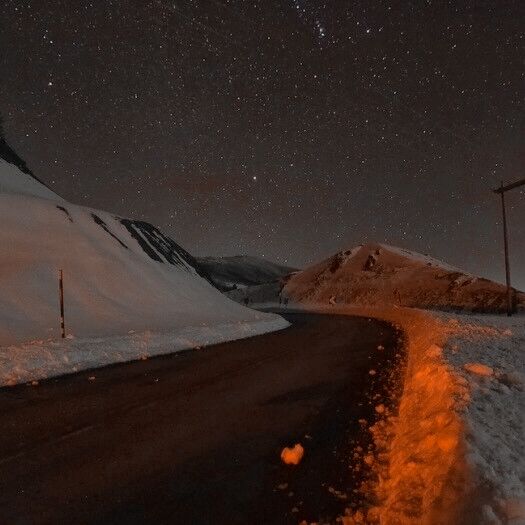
{"points": [[422, 478], [453, 452]]}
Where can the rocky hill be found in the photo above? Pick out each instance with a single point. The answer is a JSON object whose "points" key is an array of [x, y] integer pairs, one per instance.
{"points": [[377, 274]]}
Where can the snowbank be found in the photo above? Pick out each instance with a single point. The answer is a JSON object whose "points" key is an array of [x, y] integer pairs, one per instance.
{"points": [[420, 454], [488, 355], [454, 451], [40, 359], [459, 437]]}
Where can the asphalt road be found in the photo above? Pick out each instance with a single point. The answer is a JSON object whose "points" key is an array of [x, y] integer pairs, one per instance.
{"points": [[195, 437]]}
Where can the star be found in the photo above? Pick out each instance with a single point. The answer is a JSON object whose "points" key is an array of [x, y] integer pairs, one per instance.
{"points": [[358, 119]]}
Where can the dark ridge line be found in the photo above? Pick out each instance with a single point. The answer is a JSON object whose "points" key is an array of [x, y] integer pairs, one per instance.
{"points": [[103, 225], [128, 224], [161, 244], [155, 243], [166, 246], [66, 212], [9, 155], [158, 242]]}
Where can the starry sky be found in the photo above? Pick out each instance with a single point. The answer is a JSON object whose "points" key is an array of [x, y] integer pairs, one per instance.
{"points": [[287, 129]]}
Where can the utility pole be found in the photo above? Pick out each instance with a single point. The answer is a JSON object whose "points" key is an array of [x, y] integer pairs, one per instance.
{"points": [[61, 290], [501, 190]]}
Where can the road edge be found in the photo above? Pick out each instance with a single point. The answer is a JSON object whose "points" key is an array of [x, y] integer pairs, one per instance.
{"points": [[38, 360]]}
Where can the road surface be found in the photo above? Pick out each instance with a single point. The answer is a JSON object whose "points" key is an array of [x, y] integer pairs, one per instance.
{"points": [[195, 437]]}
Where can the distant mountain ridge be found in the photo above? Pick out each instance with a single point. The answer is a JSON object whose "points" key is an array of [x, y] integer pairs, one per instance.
{"points": [[238, 271]]}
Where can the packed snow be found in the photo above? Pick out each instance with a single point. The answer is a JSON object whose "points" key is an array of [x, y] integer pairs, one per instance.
{"points": [[456, 449], [42, 359], [488, 354], [119, 275]]}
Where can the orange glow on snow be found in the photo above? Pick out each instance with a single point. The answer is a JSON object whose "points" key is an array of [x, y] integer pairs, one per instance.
{"points": [[292, 456], [418, 460]]}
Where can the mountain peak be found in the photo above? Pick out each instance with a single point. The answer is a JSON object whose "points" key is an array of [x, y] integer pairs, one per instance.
{"points": [[378, 275]]}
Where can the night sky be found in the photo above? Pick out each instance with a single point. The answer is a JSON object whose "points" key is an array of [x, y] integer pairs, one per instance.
{"points": [[288, 129]]}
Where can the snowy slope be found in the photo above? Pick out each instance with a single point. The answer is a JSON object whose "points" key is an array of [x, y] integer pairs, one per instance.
{"points": [[14, 181], [488, 354], [450, 450], [241, 270], [119, 274], [376, 274]]}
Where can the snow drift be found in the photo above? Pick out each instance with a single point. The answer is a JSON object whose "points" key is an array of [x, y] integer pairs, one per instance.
{"points": [[119, 274], [377, 275]]}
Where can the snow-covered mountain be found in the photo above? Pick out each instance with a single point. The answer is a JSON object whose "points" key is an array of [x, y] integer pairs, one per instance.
{"points": [[376, 274], [228, 273], [16, 178], [119, 274]]}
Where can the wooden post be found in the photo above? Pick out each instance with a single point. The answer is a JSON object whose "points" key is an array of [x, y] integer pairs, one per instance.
{"points": [[506, 246], [501, 190], [61, 289]]}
